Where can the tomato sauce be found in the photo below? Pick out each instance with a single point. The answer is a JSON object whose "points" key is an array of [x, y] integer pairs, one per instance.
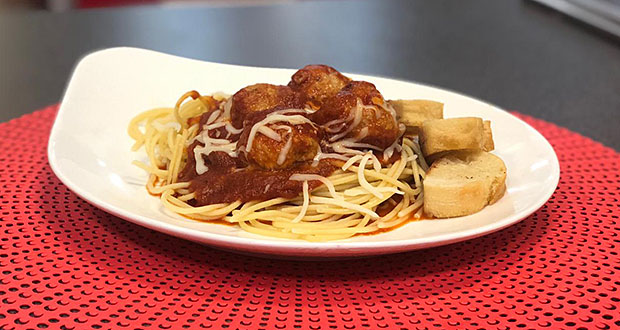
{"points": [[227, 184]]}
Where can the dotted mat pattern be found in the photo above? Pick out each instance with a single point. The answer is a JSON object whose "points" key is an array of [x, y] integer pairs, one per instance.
{"points": [[65, 264]]}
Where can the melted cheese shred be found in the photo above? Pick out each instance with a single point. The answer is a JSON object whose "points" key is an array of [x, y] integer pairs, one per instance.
{"points": [[345, 204]]}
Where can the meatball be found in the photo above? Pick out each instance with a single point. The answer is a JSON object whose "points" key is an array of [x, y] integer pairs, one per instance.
{"points": [[376, 125], [261, 97], [295, 142], [318, 83]]}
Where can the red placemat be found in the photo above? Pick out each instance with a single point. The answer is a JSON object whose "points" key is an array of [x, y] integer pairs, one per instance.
{"points": [[67, 265]]}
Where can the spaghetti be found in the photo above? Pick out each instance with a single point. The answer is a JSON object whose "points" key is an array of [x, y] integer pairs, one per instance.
{"points": [[362, 194]]}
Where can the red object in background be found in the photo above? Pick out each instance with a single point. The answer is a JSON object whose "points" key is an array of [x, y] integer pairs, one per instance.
{"points": [[66, 264], [111, 3]]}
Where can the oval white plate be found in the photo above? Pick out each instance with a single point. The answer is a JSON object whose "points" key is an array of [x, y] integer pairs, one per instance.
{"points": [[89, 151]]}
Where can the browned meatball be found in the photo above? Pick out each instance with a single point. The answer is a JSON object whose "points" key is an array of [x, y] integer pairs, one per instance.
{"points": [[261, 97], [298, 142], [318, 83], [377, 125]]}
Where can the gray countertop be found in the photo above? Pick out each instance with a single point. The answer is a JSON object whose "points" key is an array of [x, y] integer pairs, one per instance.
{"points": [[516, 54]]}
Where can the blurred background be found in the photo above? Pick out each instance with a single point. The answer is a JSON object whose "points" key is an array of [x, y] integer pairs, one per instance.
{"points": [[557, 60], [60, 5]]}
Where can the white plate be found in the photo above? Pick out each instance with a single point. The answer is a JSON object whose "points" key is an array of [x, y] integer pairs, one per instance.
{"points": [[89, 151]]}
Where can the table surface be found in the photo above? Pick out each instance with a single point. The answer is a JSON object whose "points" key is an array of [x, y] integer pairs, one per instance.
{"points": [[66, 264], [515, 54]]}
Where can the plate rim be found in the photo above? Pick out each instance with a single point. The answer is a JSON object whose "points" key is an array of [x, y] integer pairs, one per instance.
{"points": [[295, 247]]}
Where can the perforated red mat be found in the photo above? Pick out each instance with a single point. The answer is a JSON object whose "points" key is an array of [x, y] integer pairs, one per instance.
{"points": [[65, 264]]}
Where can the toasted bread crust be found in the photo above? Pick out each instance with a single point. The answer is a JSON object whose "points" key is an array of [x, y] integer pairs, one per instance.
{"points": [[487, 138], [463, 183], [441, 135], [413, 113]]}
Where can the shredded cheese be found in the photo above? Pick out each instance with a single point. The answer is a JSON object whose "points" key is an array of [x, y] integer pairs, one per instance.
{"points": [[362, 134], [310, 177], [277, 116], [306, 203], [210, 144], [351, 161], [389, 151], [213, 116], [201, 167], [232, 130], [213, 126], [357, 119], [317, 157], [328, 155], [285, 150], [344, 147], [321, 155], [268, 132], [389, 108], [340, 122]]}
